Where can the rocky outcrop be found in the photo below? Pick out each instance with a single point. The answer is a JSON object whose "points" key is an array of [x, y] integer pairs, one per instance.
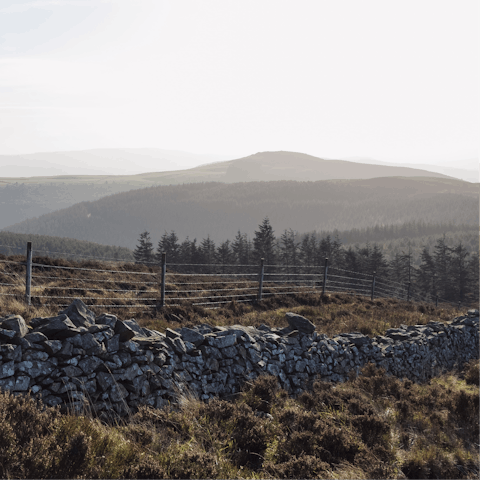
{"points": [[108, 364]]}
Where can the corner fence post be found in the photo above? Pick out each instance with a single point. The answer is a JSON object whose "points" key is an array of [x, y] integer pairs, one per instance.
{"points": [[373, 286], [28, 277], [408, 291], [164, 274], [260, 280], [325, 270]]}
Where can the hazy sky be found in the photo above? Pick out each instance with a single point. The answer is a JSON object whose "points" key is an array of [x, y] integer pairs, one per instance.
{"points": [[387, 79]]}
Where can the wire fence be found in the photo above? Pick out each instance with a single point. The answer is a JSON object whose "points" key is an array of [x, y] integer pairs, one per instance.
{"points": [[171, 285]]}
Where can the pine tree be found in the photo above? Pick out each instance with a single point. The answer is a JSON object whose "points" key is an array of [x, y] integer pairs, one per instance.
{"points": [[424, 275], [363, 258], [143, 252], [376, 262], [324, 250], [224, 255], [288, 248], [185, 255], [308, 247], [443, 258], [400, 268], [460, 272], [241, 249], [207, 251], [337, 251], [169, 244], [264, 243], [351, 260], [407, 260], [473, 268]]}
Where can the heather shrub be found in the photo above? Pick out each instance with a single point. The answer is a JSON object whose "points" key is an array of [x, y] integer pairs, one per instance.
{"points": [[472, 372]]}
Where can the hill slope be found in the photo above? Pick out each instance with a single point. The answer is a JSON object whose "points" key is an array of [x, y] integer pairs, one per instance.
{"points": [[16, 243], [268, 166], [220, 210], [22, 198], [462, 169]]}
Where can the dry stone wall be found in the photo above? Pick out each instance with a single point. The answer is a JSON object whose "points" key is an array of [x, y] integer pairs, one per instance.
{"points": [[110, 365]]}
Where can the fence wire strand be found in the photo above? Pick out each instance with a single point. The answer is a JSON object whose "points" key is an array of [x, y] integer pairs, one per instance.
{"points": [[288, 280], [92, 269]]}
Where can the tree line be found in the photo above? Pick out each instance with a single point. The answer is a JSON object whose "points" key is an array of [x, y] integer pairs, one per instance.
{"points": [[45, 245], [449, 271]]}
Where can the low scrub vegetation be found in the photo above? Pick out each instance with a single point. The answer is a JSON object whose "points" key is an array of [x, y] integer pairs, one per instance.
{"points": [[332, 313], [373, 426]]}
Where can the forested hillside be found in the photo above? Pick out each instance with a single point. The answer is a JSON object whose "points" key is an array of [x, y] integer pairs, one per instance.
{"points": [[46, 245], [22, 198], [220, 210]]}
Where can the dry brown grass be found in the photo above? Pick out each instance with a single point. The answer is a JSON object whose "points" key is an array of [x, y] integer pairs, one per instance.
{"points": [[373, 426], [332, 314]]}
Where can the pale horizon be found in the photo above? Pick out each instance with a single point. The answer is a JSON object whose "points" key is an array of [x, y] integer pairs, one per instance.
{"points": [[134, 161], [395, 81]]}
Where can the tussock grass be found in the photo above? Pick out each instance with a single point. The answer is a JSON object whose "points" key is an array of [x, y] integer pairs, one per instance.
{"points": [[332, 314], [373, 426]]}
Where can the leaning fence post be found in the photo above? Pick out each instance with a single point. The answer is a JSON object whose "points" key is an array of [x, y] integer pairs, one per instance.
{"points": [[325, 270], [28, 277], [164, 274], [408, 291], [260, 280], [373, 286]]}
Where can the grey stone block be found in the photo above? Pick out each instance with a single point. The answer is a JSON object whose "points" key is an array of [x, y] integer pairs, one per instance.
{"points": [[79, 314], [297, 322], [15, 323]]}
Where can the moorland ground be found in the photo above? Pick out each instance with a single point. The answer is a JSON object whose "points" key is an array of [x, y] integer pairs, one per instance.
{"points": [[373, 426]]}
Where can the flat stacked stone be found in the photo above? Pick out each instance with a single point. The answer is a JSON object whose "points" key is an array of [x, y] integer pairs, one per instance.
{"points": [[80, 359]]}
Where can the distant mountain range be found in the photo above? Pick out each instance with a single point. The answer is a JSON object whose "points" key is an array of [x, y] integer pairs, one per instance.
{"points": [[133, 161], [220, 209], [30, 196], [465, 169], [102, 161]]}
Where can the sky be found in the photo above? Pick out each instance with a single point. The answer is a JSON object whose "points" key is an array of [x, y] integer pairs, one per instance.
{"points": [[388, 80]]}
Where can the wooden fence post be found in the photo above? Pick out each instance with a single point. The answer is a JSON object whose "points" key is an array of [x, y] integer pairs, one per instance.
{"points": [[260, 280], [373, 286], [164, 274], [408, 291], [436, 300], [28, 277], [325, 270]]}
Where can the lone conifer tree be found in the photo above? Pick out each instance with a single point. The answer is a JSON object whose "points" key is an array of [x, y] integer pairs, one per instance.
{"points": [[143, 252], [264, 243]]}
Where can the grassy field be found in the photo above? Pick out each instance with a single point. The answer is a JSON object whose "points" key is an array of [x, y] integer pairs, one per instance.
{"points": [[373, 426], [332, 314]]}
